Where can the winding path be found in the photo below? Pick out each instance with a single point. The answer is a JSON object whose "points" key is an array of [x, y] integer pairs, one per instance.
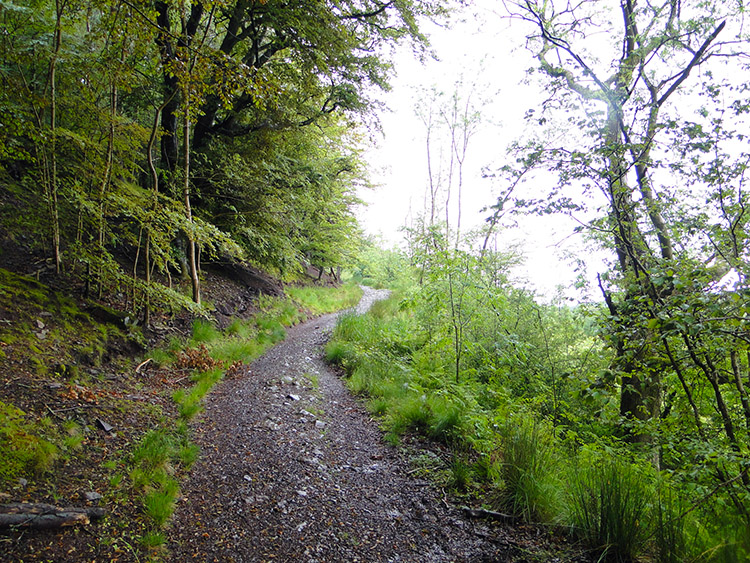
{"points": [[293, 469]]}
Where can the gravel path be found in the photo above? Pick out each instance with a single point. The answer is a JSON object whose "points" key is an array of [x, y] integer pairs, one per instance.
{"points": [[294, 469]]}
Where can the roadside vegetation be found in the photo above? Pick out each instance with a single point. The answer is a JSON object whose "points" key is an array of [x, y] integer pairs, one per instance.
{"points": [[521, 395], [86, 410], [207, 357]]}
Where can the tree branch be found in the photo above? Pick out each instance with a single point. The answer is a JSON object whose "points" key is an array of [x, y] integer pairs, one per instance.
{"points": [[696, 60], [365, 15]]}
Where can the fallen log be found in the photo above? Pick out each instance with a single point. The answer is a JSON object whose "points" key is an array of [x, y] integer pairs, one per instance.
{"points": [[45, 516]]}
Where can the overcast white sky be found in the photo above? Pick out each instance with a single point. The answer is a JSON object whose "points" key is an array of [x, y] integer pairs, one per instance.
{"points": [[482, 49]]}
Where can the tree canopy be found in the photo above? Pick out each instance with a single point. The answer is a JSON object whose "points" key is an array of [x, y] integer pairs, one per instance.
{"points": [[157, 131]]}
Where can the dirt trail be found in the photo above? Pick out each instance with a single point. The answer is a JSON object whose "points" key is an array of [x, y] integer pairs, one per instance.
{"points": [[293, 468]]}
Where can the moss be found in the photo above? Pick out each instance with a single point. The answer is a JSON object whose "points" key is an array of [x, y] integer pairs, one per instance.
{"points": [[23, 452]]}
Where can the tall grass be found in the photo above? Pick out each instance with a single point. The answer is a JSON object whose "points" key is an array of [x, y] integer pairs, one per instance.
{"points": [[320, 300], [204, 331], [370, 348], [609, 503], [527, 470]]}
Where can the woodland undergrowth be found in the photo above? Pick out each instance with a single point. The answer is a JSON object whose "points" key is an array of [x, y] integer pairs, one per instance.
{"points": [[531, 429]]}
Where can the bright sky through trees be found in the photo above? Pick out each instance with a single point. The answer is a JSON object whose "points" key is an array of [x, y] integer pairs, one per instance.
{"points": [[479, 50]]}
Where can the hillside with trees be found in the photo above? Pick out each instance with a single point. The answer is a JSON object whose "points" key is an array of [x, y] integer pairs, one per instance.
{"points": [[170, 171], [139, 139]]}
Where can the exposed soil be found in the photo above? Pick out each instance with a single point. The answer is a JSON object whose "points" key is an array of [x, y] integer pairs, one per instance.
{"points": [[294, 469], [55, 366]]}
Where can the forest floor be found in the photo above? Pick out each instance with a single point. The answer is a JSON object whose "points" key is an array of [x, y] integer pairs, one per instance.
{"points": [[292, 467]]}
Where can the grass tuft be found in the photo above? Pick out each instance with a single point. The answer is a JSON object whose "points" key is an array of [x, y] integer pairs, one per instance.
{"points": [[159, 503], [609, 501], [204, 332], [527, 470], [459, 476]]}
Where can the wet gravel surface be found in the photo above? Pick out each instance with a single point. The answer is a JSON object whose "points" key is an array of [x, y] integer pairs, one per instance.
{"points": [[293, 468]]}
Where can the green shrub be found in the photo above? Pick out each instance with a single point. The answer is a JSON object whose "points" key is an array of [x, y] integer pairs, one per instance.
{"points": [[270, 330], [152, 540], [672, 523], [188, 410], [188, 454], [378, 406], [487, 469], [354, 328]]}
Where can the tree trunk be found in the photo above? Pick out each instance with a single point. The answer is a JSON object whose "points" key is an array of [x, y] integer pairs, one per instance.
{"points": [[45, 516], [52, 188], [169, 144], [191, 254]]}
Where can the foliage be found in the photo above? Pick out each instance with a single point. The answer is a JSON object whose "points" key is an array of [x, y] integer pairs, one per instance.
{"points": [[379, 268], [287, 198], [530, 487], [609, 506], [136, 143], [533, 402], [645, 153]]}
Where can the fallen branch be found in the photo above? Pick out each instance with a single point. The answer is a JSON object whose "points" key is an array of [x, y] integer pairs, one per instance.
{"points": [[483, 513], [143, 363], [45, 516]]}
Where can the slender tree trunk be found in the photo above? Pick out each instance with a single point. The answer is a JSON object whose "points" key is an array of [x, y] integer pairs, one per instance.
{"points": [[52, 190], [169, 143], [106, 177], [191, 254], [154, 207]]}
